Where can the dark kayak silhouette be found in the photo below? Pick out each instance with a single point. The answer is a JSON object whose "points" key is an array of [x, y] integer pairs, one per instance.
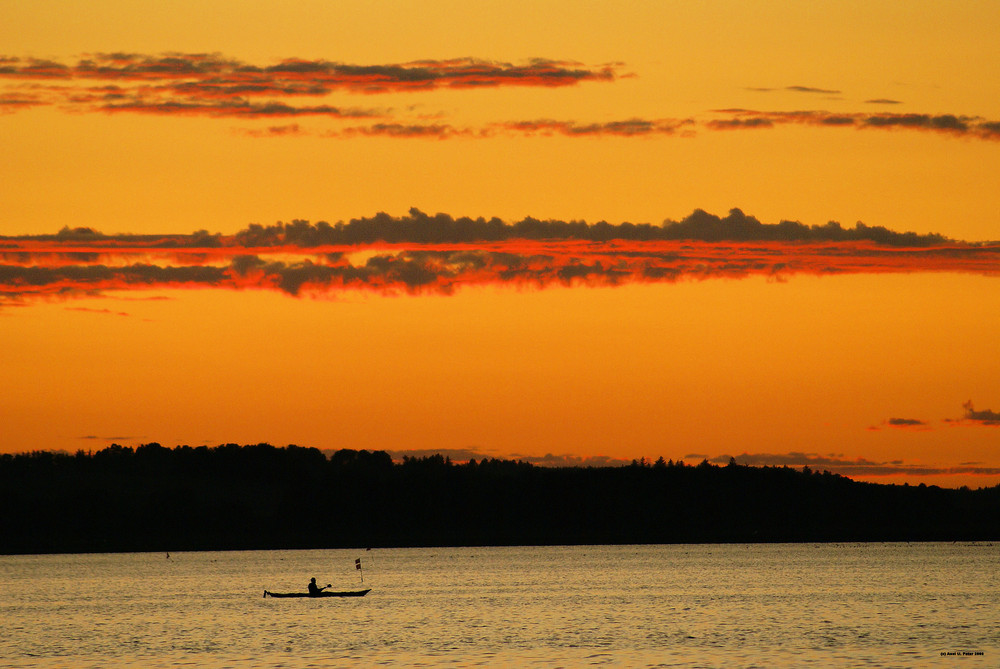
{"points": [[325, 593]]}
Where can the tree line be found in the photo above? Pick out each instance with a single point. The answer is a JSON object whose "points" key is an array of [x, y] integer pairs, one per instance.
{"points": [[153, 498]]}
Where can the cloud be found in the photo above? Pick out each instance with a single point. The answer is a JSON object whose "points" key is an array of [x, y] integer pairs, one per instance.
{"points": [[33, 68], [214, 85], [420, 227], [946, 122], [205, 75], [547, 460], [811, 89], [16, 101], [907, 424], [566, 460], [739, 123], [833, 463], [984, 417], [403, 130], [858, 467], [18, 283], [738, 119], [951, 124], [419, 253], [456, 454], [99, 311], [794, 89], [274, 131], [972, 417], [633, 127], [232, 108]]}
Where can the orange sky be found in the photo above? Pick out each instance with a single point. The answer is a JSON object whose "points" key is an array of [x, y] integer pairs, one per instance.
{"points": [[146, 119]]}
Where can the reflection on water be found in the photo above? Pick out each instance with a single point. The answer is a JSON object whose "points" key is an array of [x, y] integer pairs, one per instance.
{"points": [[707, 605]]}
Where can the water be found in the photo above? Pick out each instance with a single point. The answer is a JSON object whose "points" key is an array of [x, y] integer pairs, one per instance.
{"points": [[786, 605]]}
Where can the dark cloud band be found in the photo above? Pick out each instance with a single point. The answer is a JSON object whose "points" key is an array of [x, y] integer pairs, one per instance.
{"points": [[419, 253], [858, 467], [951, 124]]}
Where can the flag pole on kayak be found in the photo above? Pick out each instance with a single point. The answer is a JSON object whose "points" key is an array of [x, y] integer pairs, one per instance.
{"points": [[357, 565]]}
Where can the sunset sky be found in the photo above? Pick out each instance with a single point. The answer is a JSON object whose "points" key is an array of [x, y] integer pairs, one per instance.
{"points": [[317, 223]]}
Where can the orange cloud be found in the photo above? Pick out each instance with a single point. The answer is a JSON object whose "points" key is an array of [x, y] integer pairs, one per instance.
{"points": [[404, 130], [628, 128], [951, 124], [637, 127], [858, 467], [419, 253], [16, 101], [235, 108], [210, 84], [275, 131], [974, 417], [99, 311], [904, 424], [546, 127], [216, 86], [213, 76]]}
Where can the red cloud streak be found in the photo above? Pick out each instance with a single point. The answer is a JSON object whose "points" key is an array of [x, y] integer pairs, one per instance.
{"points": [[179, 84], [949, 124], [214, 76], [31, 269]]}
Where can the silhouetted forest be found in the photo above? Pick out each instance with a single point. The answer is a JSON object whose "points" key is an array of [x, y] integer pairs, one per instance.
{"points": [[248, 497]]}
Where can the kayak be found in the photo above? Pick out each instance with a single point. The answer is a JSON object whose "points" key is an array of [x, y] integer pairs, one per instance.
{"points": [[325, 593]]}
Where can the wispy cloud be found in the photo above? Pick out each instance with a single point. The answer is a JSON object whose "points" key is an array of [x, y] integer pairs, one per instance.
{"points": [[419, 253], [216, 76], [794, 89], [16, 101], [273, 131], [972, 417], [633, 127], [409, 130], [812, 89], [834, 463], [462, 455], [735, 119], [541, 127], [213, 85], [969, 126], [107, 312], [232, 108], [837, 464]]}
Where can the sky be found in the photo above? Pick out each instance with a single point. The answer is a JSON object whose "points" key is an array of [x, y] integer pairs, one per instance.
{"points": [[564, 232]]}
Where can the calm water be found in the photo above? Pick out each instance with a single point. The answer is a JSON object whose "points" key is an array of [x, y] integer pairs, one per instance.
{"points": [[686, 606]]}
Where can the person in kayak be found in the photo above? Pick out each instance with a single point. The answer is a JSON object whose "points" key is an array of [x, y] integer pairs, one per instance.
{"points": [[315, 589]]}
